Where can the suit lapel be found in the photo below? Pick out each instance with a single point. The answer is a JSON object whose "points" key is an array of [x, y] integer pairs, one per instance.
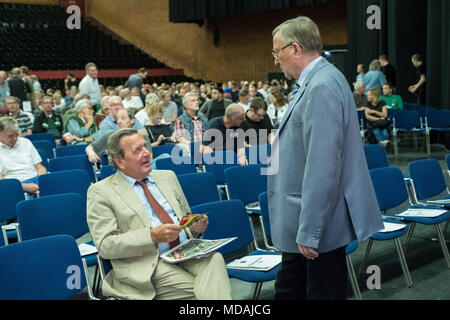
{"points": [[167, 192], [127, 194]]}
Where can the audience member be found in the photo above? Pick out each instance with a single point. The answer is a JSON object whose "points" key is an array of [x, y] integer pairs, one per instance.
{"points": [[374, 79], [265, 91], [23, 120], [158, 133], [360, 96], [419, 89], [134, 102], [59, 105], [135, 245], [361, 71], [170, 107], [125, 119], [190, 126], [30, 95], [19, 159], [70, 81], [393, 101], [227, 94], [110, 122], [376, 116], [224, 133], [388, 70], [4, 87], [89, 85], [277, 108], [18, 87], [136, 80], [81, 125], [36, 84], [142, 115], [234, 91], [253, 91], [257, 125], [244, 99], [216, 106], [47, 120], [101, 114]]}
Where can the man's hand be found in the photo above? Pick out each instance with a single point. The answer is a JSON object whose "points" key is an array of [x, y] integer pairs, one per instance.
{"points": [[307, 252], [167, 232], [93, 157], [30, 187], [200, 225]]}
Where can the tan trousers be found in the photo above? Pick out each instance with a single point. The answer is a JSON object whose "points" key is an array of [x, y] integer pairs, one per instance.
{"points": [[195, 279]]}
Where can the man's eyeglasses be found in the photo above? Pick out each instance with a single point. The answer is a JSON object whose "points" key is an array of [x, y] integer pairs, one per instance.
{"points": [[275, 53]]}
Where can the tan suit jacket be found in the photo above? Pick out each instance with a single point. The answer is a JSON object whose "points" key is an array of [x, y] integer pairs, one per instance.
{"points": [[120, 228]]}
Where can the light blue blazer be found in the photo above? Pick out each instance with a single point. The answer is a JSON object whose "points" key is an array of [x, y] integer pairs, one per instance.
{"points": [[321, 195]]}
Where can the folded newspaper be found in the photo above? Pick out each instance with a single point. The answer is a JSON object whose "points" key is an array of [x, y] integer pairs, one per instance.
{"points": [[194, 248]]}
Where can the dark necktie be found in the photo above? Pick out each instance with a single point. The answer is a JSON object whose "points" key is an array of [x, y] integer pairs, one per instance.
{"points": [[294, 91], [159, 210]]}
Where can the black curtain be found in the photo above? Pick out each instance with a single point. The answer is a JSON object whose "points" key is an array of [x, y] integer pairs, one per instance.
{"points": [[408, 27], [364, 45], [438, 54]]}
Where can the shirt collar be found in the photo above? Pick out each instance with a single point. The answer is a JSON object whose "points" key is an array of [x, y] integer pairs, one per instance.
{"points": [[307, 70], [132, 181]]}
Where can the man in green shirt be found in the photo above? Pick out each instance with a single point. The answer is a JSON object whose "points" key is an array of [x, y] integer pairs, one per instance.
{"points": [[393, 101]]}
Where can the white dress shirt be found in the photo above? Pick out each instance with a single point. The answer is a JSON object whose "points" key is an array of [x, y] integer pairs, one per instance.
{"points": [[19, 161], [90, 86], [151, 185]]}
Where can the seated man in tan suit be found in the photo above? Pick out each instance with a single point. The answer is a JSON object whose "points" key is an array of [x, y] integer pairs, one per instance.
{"points": [[127, 215]]}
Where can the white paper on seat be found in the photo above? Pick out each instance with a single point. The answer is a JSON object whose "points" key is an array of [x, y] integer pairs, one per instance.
{"points": [[443, 201], [256, 262], [391, 227], [422, 213], [255, 208], [86, 249]]}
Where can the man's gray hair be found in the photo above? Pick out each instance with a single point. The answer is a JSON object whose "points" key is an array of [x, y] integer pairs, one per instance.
{"points": [[188, 95], [359, 84], [88, 65], [303, 31], [8, 122], [113, 148], [114, 98]]}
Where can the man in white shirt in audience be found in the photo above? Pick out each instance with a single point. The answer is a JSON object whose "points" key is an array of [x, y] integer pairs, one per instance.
{"points": [[19, 159], [89, 84]]}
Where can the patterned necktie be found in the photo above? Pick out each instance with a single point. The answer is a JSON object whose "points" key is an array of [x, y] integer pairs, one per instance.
{"points": [[159, 210], [294, 91]]}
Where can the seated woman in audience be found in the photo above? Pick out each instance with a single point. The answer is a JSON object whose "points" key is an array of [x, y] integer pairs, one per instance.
{"points": [[376, 116], [58, 103], [277, 108], [158, 133], [81, 124], [142, 115]]}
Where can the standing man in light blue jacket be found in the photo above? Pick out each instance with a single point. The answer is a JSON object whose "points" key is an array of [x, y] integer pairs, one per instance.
{"points": [[321, 197]]}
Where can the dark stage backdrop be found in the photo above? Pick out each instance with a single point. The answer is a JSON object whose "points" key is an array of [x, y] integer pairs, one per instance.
{"points": [[407, 27]]}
